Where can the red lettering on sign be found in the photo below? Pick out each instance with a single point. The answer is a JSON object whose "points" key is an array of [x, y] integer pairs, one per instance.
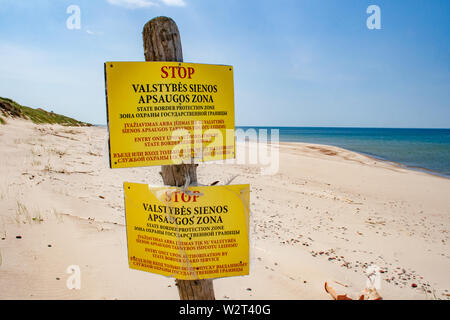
{"points": [[177, 72], [164, 72], [173, 196]]}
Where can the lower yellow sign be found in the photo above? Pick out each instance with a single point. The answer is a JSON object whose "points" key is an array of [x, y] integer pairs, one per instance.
{"points": [[196, 234]]}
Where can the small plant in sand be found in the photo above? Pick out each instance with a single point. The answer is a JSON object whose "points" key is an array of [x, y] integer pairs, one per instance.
{"points": [[48, 167], [58, 216], [92, 153], [2, 193], [71, 131], [92, 148], [22, 214], [36, 163], [37, 218], [58, 152], [37, 151]]}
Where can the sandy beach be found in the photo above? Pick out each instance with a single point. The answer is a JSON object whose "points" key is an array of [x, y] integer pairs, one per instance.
{"points": [[327, 215]]}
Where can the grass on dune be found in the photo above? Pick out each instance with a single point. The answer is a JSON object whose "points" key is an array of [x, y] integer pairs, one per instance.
{"points": [[10, 108]]}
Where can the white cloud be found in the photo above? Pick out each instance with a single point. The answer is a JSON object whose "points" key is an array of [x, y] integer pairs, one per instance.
{"points": [[94, 33], [133, 4], [175, 3]]}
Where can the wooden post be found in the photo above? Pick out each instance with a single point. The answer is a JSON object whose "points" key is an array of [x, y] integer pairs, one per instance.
{"points": [[162, 43]]}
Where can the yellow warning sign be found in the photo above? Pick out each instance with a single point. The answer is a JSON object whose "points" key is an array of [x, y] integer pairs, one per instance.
{"points": [[196, 234], [163, 113]]}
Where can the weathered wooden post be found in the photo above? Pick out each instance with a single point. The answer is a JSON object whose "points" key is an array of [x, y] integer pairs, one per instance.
{"points": [[162, 43]]}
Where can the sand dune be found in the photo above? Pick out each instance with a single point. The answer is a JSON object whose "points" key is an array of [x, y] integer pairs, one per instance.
{"points": [[326, 215]]}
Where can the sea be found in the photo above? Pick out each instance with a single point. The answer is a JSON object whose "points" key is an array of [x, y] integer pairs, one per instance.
{"points": [[418, 149]]}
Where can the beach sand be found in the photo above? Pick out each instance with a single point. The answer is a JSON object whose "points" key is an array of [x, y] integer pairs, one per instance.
{"points": [[326, 215]]}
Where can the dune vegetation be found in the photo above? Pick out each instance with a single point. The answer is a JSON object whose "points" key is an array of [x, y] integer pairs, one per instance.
{"points": [[12, 109]]}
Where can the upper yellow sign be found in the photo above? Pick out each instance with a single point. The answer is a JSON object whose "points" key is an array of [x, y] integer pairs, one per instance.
{"points": [[169, 113]]}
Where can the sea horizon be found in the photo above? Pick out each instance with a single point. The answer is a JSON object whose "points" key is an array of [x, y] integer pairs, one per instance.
{"points": [[422, 149], [350, 127], [431, 145]]}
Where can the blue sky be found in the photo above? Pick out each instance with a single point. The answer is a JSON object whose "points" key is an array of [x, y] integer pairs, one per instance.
{"points": [[296, 63]]}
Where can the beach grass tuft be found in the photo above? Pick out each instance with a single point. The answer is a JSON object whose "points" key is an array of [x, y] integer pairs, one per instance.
{"points": [[24, 215], [12, 109]]}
